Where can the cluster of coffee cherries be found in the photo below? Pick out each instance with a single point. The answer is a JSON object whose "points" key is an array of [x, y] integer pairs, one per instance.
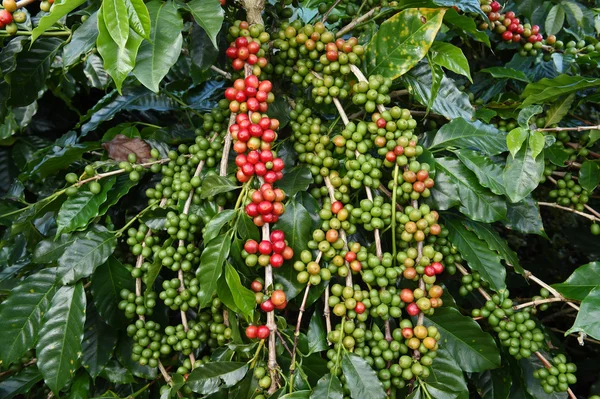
{"points": [[266, 204], [273, 252], [248, 45], [569, 193], [249, 94], [558, 376], [184, 299], [470, 282], [259, 163], [10, 15], [372, 214], [133, 305], [309, 270], [372, 93]]}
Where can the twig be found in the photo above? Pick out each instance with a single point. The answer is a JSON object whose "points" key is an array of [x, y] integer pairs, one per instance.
{"points": [[548, 365], [327, 313], [577, 147], [285, 345], [355, 22], [226, 150], [464, 272], [297, 332], [592, 210], [25, 3], [530, 276], [118, 172], [221, 72], [538, 302], [568, 129], [591, 340], [326, 15], [564, 208]]}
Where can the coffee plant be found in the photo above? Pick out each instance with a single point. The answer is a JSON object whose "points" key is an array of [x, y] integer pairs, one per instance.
{"points": [[299, 199]]}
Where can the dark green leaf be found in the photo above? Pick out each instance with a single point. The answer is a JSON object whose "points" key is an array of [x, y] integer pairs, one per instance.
{"points": [[58, 10], [95, 72], [246, 228], [214, 184], [21, 314], [155, 267], [207, 378], [525, 217], [213, 228], [458, 186], [88, 251], [116, 373], [522, 173], [99, 341], [581, 282], [360, 378], [506, 73], [559, 110], [473, 349], [446, 374], [589, 175], [296, 180], [527, 113], [402, 41], [77, 211], [139, 18], [450, 102], [317, 337], [107, 282], [555, 20], [83, 40], [328, 387], [203, 54], [494, 384], [464, 23], [303, 394], [212, 260], [121, 187], [487, 171], [59, 159], [477, 253], [209, 15], [244, 298], [80, 388], [32, 68], [118, 60], [10, 51], [225, 295], [550, 89], [556, 154], [59, 347], [296, 224], [450, 57], [156, 57], [116, 19], [49, 250], [20, 383], [465, 134], [123, 352]]}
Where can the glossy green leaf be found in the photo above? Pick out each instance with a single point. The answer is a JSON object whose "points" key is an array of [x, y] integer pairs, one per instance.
{"points": [[59, 347], [473, 349], [21, 314], [477, 253], [451, 58], [209, 15], [524, 216], [80, 388], [77, 211], [449, 102], [211, 266], [296, 224], [202, 52], [213, 228], [589, 175], [465, 26], [316, 334], [116, 20], [244, 298], [581, 282], [556, 154], [328, 387], [462, 133], [207, 378], [494, 384], [50, 250], [99, 341], [447, 375], [156, 56], [303, 394], [121, 187], [9, 53], [58, 10], [458, 186], [402, 41], [506, 73], [522, 173], [118, 60], [495, 242], [83, 40], [555, 19], [20, 383], [155, 268], [107, 282], [527, 113], [360, 378], [559, 109], [139, 17], [588, 317], [537, 142], [246, 228], [117, 373], [467, 6], [488, 172], [215, 184], [32, 69], [89, 250], [296, 180], [515, 139], [546, 90]]}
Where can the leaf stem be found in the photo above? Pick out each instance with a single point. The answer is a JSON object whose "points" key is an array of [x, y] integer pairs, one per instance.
{"points": [[355, 22]]}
